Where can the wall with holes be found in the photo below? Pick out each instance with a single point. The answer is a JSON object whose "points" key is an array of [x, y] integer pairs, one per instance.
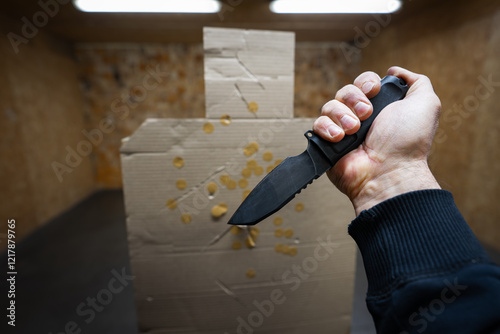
{"points": [[127, 83]]}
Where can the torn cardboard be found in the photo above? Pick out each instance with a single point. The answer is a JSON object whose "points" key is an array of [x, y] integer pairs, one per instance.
{"points": [[248, 67], [195, 275]]}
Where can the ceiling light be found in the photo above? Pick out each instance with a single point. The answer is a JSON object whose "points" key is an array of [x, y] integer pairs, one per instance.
{"points": [[148, 6], [334, 6]]}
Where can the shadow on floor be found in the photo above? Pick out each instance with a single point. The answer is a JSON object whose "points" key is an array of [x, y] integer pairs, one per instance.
{"points": [[74, 273]]}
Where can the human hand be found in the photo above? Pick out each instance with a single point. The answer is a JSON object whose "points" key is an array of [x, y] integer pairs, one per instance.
{"points": [[393, 158]]}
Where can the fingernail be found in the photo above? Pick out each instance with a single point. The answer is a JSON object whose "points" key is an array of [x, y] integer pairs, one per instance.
{"points": [[348, 122], [361, 109], [367, 87], [334, 131]]}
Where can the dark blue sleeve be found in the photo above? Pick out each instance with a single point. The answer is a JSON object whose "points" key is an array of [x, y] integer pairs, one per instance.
{"points": [[426, 271]]}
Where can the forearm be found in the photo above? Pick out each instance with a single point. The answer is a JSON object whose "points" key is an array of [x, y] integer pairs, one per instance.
{"points": [[414, 246]]}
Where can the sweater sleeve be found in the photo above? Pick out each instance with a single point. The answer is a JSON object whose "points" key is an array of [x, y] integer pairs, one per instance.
{"points": [[426, 271]]}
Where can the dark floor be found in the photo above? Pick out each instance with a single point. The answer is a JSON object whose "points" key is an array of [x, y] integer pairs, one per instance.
{"points": [[73, 274], [70, 262]]}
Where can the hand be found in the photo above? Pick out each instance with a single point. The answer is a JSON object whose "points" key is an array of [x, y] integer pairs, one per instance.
{"points": [[393, 158]]}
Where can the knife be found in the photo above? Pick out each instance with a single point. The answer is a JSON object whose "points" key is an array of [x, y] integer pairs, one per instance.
{"points": [[292, 175]]}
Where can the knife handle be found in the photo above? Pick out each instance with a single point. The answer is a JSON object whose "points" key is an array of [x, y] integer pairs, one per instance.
{"points": [[392, 89]]}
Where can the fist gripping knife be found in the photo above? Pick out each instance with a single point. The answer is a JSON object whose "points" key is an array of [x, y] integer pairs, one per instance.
{"points": [[280, 186]]}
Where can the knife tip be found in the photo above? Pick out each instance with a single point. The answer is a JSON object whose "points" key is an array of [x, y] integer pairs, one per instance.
{"points": [[243, 218], [234, 222]]}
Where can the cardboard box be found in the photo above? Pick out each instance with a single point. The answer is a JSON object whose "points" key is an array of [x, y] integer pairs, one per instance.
{"points": [[248, 69], [196, 274]]}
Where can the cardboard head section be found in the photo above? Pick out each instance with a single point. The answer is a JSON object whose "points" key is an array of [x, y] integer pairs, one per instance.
{"points": [[248, 73], [184, 178]]}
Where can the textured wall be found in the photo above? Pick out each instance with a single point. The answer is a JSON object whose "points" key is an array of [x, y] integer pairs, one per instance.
{"points": [[128, 83], [41, 113], [458, 49]]}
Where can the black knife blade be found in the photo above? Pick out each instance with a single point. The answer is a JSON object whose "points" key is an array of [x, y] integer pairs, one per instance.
{"points": [[292, 175]]}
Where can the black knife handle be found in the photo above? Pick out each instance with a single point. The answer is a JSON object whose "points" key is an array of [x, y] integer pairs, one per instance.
{"points": [[392, 89]]}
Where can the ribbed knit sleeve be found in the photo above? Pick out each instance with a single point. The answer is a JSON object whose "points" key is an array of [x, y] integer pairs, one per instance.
{"points": [[414, 235]]}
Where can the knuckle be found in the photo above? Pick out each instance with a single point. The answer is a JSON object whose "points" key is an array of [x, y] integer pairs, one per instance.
{"points": [[316, 124], [366, 76], [424, 78], [320, 122], [330, 108], [345, 92], [437, 105], [327, 105]]}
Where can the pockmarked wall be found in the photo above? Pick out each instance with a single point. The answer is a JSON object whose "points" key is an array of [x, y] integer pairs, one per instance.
{"points": [[457, 47], [41, 122], [127, 83]]}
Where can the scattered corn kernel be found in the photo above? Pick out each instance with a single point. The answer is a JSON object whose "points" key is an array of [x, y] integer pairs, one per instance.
{"points": [[212, 187], [231, 184], [299, 207], [253, 107], [208, 127], [243, 183], [225, 120], [267, 156], [246, 172], [250, 273], [235, 230], [186, 218], [171, 203], [251, 148], [219, 210], [224, 179], [254, 232], [181, 184], [249, 242], [178, 162], [251, 163]]}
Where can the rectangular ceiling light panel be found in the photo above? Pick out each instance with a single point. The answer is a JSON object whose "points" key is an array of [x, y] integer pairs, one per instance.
{"points": [[334, 6], [148, 6]]}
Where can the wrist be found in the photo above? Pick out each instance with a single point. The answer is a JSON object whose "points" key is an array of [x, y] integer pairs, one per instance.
{"points": [[393, 182]]}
